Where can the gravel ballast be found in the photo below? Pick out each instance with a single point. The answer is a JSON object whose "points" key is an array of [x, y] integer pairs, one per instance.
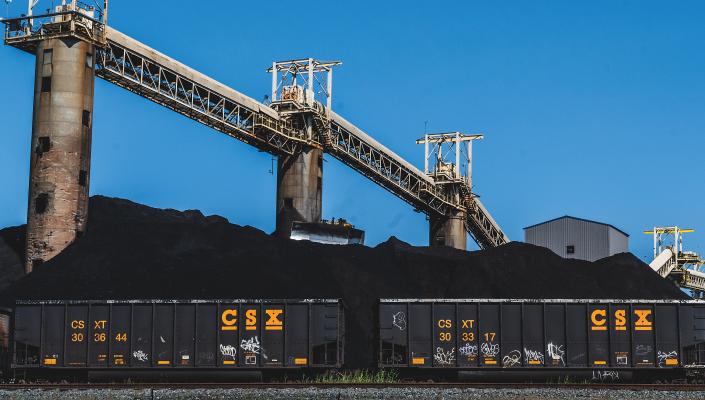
{"points": [[357, 394]]}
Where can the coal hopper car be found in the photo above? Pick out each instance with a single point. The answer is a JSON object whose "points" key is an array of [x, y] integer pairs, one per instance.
{"points": [[180, 338], [523, 339]]}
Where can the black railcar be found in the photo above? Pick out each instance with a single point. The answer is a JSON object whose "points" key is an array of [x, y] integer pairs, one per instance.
{"points": [[215, 335], [538, 335]]}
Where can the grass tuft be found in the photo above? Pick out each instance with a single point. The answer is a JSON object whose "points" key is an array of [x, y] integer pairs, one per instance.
{"points": [[358, 377]]}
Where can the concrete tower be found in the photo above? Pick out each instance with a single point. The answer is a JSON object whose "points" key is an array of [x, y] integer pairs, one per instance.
{"points": [[303, 89], [448, 231], [299, 189], [61, 147]]}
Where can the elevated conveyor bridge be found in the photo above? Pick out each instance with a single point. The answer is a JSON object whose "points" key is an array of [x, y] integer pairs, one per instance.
{"points": [[148, 73]]}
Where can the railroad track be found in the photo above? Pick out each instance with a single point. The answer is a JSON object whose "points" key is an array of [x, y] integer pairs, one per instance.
{"points": [[302, 385]]}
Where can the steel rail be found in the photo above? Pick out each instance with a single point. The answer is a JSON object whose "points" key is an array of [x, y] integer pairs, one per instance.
{"points": [[685, 387]]}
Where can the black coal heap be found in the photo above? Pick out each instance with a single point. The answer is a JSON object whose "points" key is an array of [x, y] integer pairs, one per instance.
{"points": [[134, 251]]}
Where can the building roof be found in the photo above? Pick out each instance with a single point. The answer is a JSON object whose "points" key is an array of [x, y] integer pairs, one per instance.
{"points": [[580, 219]]}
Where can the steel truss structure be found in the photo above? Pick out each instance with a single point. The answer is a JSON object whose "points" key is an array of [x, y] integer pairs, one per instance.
{"points": [[392, 175], [147, 78], [671, 261], [133, 66]]}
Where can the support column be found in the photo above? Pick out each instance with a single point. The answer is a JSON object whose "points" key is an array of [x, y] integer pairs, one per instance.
{"points": [[299, 189], [448, 231], [61, 147]]}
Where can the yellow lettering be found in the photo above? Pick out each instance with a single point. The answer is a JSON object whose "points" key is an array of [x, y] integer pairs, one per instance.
{"points": [[445, 323], [642, 323], [273, 323], [99, 324], [468, 323], [229, 319], [620, 321], [77, 324], [251, 320], [599, 320]]}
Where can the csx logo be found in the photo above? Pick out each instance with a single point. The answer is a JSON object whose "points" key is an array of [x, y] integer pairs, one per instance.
{"points": [[598, 318], [229, 320]]}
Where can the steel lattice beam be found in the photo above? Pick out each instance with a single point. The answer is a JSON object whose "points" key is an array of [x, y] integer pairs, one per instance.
{"points": [[147, 78], [388, 173]]}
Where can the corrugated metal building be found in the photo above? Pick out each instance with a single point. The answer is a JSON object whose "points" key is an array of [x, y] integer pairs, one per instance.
{"points": [[571, 237]]}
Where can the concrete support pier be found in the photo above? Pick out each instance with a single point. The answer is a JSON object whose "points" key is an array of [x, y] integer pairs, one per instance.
{"points": [[299, 189], [61, 147], [448, 231]]}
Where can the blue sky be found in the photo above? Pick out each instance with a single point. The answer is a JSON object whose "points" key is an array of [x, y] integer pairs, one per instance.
{"points": [[593, 109]]}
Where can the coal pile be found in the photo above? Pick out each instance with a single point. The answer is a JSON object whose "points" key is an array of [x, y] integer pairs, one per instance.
{"points": [[131, 251], [12, 241]]}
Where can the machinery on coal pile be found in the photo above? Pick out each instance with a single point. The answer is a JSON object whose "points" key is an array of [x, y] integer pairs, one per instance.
{"points": [[334, 231], [672, 262]]}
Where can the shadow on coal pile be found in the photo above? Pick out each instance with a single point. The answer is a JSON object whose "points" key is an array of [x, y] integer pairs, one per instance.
{"points": [[134, 251]]}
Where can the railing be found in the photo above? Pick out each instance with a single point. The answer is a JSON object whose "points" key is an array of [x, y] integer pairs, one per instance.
{"points": [[480, 225], [26, 32], [667, 267], [693, 280]]}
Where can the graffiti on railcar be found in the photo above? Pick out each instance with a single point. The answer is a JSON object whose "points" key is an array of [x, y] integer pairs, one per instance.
{"points": [[140, 355], [399, 320], [604, 375], [556, 354], [489, 349], [468, 350], [667, 358], [228, 351], [251, 348], [511, 359], [533, 357], [643, 349], [444, 357]]}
